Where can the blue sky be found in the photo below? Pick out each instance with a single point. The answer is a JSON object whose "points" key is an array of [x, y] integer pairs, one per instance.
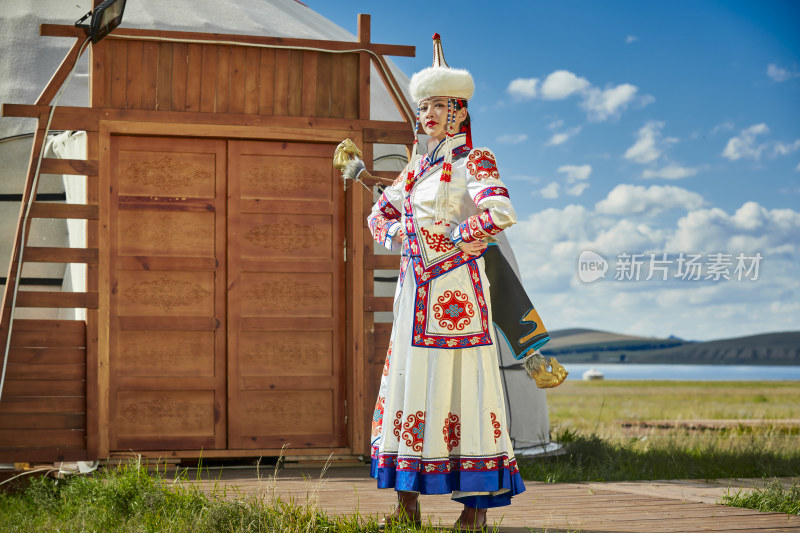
{"points": [[633, 127]]}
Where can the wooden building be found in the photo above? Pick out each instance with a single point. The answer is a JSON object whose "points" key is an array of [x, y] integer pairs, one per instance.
{"points": [[229, 274]]}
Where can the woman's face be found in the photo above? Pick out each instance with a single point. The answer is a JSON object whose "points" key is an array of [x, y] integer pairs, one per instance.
{"points": [[433, 117]]}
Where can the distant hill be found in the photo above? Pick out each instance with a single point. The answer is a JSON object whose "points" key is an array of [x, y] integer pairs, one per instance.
{"points": [[578, 345]]}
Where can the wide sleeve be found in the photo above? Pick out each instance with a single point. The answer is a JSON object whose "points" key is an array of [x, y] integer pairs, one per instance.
{"points": [[384, 220], [490, 196]]}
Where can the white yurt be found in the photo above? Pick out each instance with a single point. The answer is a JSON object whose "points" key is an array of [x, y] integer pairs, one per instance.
{"points": [[29, 60]]}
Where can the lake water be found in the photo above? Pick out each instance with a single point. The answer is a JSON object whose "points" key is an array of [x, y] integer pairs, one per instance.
{"points": [[689, 372]]}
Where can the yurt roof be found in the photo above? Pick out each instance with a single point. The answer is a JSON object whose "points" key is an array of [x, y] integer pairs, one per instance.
{"points": [[29, 60]]}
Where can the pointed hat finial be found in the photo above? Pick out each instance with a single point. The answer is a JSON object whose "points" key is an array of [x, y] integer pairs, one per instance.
{"points": [[440, 79]]}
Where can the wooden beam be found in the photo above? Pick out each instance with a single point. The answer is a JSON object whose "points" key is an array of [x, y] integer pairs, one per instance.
{"points": [[46, 254], [76, 211], [382, 262], [57, 300], [378, 303], [64, 118], [63, 70], [77, 167], [63, 30]]}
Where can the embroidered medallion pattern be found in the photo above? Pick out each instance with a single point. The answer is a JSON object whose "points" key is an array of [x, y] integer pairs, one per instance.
{"points": [[482, 165], [451, 431], [453, 310], [496, 426], [438, 242], [413, 430]]}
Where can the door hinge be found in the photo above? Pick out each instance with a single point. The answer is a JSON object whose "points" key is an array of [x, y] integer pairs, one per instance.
{"points": [[345, 412], [345, 250]]}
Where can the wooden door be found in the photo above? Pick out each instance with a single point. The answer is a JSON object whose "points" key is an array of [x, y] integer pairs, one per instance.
{"points": [[286, 297], [166, 229]]}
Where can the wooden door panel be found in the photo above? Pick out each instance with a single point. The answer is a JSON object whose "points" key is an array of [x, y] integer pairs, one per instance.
{"points": [[167, 335], [286, 297]]}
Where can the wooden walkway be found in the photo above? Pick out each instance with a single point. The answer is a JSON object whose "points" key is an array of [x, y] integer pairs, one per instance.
{"points": [[666, 506]]}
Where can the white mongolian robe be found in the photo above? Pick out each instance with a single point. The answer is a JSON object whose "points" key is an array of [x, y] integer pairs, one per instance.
{"points": [[440, 424]]}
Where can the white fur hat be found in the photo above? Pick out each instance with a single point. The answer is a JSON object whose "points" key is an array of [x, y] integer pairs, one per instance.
{"points": [[440, 79]]}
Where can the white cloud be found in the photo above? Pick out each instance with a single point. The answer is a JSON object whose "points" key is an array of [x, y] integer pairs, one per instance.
{"points": [[512, 138], [780, 74], [550, 190], [628, 199], [547, 244], [555, 124], [523, 88], [609, 102], [577, 189], [670, 172], [644, 150], [575, 172], [725, 126], [797, 168], [744, 145], [561, 84], [631, 39], [600, 104], [564, 136]]}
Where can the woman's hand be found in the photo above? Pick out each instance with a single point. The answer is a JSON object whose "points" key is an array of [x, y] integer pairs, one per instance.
{"points": [[473, 248], [398, 236]]}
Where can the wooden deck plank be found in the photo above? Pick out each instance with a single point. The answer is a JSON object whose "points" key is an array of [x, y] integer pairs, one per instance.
{"points": [[595, 507]]}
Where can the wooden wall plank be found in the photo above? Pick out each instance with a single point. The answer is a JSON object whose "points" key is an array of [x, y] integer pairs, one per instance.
{"points": [[351, 86], [43, 404], [180, 67], [42, 421], [208, 79], [150, 74], [223, 96], [237, 78], [77, 167], [55, 300], [24, 371], [134, 78], [48, 356], [324, 78], [119, 76], [194, 70], [281, 73], [42, 254], [164, 77], [43, 455], [266, 77], [51, 333], [68, 438], [309, 83], [337, 86], [58, 387], [91, 385], [76, 211], [294, 104], [252, 72]]}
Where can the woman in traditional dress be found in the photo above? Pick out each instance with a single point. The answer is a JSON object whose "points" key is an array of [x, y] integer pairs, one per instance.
{"points": [[440, 422]]}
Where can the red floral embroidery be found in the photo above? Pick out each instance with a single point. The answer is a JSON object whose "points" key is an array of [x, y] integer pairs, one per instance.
{"points": [[496, 426], [377, 417], [451, 431], [398, 422], [388, 359], [453, 310], [437, 242], [482, 165], [413, 430]]}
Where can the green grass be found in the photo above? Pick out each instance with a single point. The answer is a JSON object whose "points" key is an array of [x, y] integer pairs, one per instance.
{"points": [[131, 499], [589, 457], [773, 497]]}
